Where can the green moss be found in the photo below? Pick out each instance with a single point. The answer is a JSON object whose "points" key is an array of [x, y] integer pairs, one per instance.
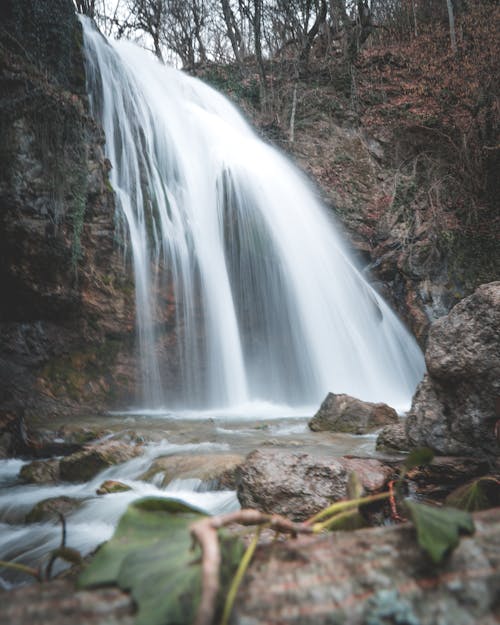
{"points": [[73, 374]]}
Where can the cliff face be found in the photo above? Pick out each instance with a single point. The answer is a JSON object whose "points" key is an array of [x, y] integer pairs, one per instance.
{"points": [[67, 305]]}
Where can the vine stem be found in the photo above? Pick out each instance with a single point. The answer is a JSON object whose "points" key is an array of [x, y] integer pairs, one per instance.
{"points": [[340, 506], [237, 579], [21, 568]]}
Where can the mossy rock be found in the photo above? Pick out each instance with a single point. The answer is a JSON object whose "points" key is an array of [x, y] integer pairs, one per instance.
{"points": [[112, 486], [50, 509], [41, 472], [86, 464]]}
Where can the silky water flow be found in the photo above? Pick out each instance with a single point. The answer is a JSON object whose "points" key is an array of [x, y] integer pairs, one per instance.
{"points": [[269, 305]]}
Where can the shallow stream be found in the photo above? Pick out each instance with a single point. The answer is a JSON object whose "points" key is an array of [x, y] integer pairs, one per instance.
{"points": [[164, 434]]}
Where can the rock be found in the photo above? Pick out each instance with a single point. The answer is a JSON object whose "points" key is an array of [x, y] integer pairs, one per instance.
{"points": [[444, 474], [217, 469], [85, 464], [456, 407], [343, 413], [377, 576], [57, 603], [112, 486], [41, 472], [298, 485], [393, 438], [13, 436], [49, 509]]}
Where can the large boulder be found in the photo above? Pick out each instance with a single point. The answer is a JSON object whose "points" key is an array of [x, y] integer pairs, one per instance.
{"points": [[343, 413], [457, 406], [298, 485]]}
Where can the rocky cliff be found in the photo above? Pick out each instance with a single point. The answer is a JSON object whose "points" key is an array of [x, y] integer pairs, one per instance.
{"points": [[66, 309]]}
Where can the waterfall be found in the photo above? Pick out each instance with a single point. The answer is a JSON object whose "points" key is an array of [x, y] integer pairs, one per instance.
{"points": [[233, 254]]}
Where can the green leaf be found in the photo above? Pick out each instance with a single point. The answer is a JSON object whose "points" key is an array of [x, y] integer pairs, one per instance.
{"points": [[151, 555], [418, 457], [438, 528], [480, 494]]}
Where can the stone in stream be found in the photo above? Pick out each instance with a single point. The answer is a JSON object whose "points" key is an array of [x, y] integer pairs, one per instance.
{"points": [[50, 509], [86, 464], [343, 413], [109, 487], [298, 485], [456, 409], [41, 472], [219, 470]]}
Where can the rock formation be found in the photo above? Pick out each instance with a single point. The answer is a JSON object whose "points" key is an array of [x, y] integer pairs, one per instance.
{"points": [[67, 306], [456, 408]]}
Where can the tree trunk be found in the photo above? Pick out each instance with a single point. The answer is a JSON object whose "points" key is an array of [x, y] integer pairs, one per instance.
{"points": [[451, 19], [233, 32]]}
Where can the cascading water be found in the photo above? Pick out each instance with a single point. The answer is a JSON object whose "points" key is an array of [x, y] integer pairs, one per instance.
{"points": [[268, 304]]}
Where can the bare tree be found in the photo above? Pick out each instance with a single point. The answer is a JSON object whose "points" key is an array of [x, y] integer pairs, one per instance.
{"points": [[451, 19]]}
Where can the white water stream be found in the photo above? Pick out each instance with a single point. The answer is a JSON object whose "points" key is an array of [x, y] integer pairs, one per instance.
{"points": [[270, 311]]}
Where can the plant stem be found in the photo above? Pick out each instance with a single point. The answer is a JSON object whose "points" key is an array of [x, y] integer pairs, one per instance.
{"points": [[340, 506], [21, 567], [237, 579]]}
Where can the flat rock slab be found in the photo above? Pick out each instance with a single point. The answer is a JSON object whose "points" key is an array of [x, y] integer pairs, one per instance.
{"points": [[219, 470], [374, 576]]}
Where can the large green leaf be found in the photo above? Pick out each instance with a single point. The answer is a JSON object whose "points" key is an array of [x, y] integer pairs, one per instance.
{"points": [[438, 529], [151, 556]]}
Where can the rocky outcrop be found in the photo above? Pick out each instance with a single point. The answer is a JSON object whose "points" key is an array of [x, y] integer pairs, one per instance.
{"points": [[67, 310], [219, 470], [456, 408], [342, 413], [298, 485]]}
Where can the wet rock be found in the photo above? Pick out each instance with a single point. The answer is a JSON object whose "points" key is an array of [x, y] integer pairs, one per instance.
{"points": [[456, 408], [85, 464], [112, 486], [343, 413], [298, 485], [393, 438], [41, 472], [373, 576], [50, 509], [217, 469]]}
